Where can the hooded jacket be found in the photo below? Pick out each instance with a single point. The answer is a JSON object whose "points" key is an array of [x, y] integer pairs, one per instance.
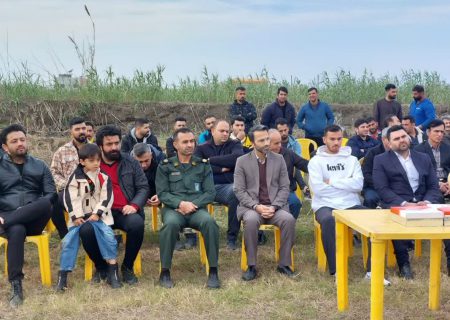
{"points": [[345, 179], [130, 140]]}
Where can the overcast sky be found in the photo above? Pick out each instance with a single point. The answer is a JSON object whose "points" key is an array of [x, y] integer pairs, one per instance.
{"points": [[236, 38]]}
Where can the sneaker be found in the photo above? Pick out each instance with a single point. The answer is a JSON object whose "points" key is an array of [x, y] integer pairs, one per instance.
{"points": [[368, 276], [128, 275]]}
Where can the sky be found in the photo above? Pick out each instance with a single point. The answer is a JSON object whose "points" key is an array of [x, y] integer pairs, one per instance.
{"points": [[232, 38]]}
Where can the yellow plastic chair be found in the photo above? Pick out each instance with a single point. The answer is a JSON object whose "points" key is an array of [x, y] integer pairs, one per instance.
{"points": [[344, 142], [277, 236], [42, 243], [50, 227], [89, 265], [154, 218], [305, 144]]}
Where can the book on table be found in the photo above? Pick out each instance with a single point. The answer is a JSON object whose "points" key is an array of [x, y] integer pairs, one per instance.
{"points": [[418, 216]]}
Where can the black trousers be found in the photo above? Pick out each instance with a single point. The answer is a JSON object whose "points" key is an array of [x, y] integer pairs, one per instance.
{"points": [[402, 256], [132, 224], [318, 140], [29, 220], [58, 218]]}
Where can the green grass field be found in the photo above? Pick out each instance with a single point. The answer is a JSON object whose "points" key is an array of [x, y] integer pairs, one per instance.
{"points": [[310, 295]]}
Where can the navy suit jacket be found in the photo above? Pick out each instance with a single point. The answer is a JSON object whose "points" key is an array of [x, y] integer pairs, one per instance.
{"points": [[391, 182], [444, 149]]}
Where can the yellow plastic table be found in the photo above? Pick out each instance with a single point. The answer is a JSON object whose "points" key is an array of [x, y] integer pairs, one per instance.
{"points": [[378, 226]]}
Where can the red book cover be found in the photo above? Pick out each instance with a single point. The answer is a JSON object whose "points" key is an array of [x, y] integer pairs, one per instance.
{"points": [[445, 210], [397, 210]]}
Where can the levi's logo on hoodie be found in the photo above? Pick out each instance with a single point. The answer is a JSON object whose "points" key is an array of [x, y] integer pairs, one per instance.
{"points": [[337, 167]]}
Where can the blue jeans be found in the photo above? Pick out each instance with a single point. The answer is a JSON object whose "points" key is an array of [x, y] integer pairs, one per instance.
{"points": [[70, 244], [371, 198], [294, 204], [225, 195]]}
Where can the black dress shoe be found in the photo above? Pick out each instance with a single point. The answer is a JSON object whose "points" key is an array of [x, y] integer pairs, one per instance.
{"points": [[406, 273], [250, 274], [128, 275], [99, 275], [16, 298], [286, 271], [213, 280], [61, 286], [231, 245], [113, 276], [164, 279]]}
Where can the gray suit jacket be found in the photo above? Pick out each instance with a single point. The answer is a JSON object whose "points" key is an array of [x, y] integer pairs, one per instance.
{"points": [[246, 182]]}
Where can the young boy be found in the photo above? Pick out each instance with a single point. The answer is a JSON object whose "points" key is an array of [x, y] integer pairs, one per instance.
{"points": [[88, 198]]}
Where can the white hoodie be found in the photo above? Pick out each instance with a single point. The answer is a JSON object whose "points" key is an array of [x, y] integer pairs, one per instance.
{"points": [[345, 179]]}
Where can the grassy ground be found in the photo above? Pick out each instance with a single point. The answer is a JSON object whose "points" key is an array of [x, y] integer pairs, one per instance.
{"points": [[310, 295]]}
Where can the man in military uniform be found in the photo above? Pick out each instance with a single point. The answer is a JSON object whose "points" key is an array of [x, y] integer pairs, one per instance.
{"points": [[185, 187]]}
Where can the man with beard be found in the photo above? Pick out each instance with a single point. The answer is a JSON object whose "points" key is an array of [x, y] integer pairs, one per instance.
{"points": [[185, 187], [373, 128], [446, 119], [261, 184], [140, 133], [27, 192], [143, 154], [361, 142], [242, 108], [131, 192], [64, 162], [280, 108], [90, 132], [416, 135], [387, 106], [421, 108], [404, 177]]}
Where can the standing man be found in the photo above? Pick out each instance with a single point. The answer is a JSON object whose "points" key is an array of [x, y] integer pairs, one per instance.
{"points": [[387, 106], [185, 187], [27, 192], [417, 136], [140, 133], [281, 108], [314, 116], [446, 120], [336, 180], [293, 161], [222, 153], [361, 142], [131, 192], [64, 162], [208, 121], [421, 108], [180, 122], [261, 184], [238, 133], [90, 131], [242, 108]]}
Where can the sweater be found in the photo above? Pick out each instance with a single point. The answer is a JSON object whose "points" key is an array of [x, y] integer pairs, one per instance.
{"points": [[274, 111], [423, 112], [314, 119]]}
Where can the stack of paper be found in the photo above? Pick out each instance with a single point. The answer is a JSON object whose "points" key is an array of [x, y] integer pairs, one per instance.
{"points": [[446, 211], [418, 216]]}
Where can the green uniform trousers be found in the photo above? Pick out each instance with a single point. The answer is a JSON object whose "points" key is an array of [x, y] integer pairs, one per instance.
{"points": [[174, 222]]}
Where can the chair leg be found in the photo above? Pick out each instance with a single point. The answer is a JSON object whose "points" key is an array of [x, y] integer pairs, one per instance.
{"points": [[390, 255], [42, 243], [201, 248], [350, 242], [292, 260], [244, 265], [365, 250], [88, 267], [277, 235], [321, 257], [137, 267], [154, 219], [316, 240], [417, 248], [4, 242]]}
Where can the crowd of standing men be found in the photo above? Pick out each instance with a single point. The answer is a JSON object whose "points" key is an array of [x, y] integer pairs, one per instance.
{"points": [[102, 181]]}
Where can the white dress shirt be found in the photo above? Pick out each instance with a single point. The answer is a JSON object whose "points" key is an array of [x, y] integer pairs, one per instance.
{"points": [[410, 169]]}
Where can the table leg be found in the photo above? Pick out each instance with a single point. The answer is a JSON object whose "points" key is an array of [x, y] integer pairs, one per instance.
{"points": [[435, 274], [342, 266], [377, 286]]}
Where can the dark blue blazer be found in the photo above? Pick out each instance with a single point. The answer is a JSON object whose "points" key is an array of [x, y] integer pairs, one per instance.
{"points": [[391, 182]]}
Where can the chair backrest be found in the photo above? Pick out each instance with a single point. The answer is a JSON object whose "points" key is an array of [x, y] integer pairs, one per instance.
{"points": [[344, 142], [305, 144]]}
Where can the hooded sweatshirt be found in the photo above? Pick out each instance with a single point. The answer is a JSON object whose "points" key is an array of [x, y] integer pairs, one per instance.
{"points": [[345, 179]]}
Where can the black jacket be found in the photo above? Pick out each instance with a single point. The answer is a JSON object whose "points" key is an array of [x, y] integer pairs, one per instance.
{"points": [[367, 166], [170, 149], [444, 149], [133, 182], [293, 161], [129, 140], [245, 110], [17, 190], [221, 156], [150, 174], [274, 111]]}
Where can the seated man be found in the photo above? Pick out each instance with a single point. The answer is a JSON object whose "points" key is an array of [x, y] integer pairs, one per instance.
{"points": [[446, 119], [404, 177], [336, 180], [27, 192], [140, 133], [261, 184], [208, 121], [371, 197], [185, 187], [238, 133], [222, 153], [391, 120], [131, 192], [143, 154], [293, 161], [373, 128], [180, 122], [416, 134], [362, 141]]}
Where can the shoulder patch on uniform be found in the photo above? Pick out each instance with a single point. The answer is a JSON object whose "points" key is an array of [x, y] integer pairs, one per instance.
{"points": [[165, 161], [205, 160]]}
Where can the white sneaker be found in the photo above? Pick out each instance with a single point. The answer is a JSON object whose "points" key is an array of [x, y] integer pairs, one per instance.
{"points": [[368, 276]]}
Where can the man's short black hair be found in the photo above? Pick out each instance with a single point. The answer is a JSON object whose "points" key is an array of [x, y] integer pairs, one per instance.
{"points": [[370, 119], [388, 119], [393, 129], [179, 119], [89, 150], [418, 88], [107, 131], [181, 130], [282, 89], [331, 128], [240, 88], [389, 86], [75, 121], [312, 89], [140, 122], [359, 122], [410, 118], [89, 123], [436, 123], [256, 128], [281, 121], [208, 116], [9, 129], [238, 118]]}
